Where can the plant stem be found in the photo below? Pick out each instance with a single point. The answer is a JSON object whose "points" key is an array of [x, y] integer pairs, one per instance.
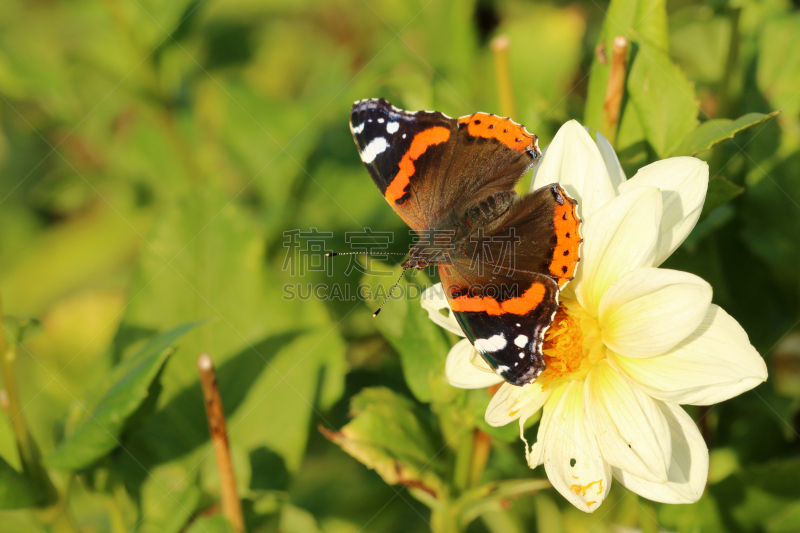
{"points": [[29, 454], [461, 471], [482, 446], [505, 93], [615, 88], [444, 518], [730, 64], [231, 505], [58, 516]]}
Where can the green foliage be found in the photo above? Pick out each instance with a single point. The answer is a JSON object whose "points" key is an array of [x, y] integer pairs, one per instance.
{"points": [[662, 97], [98, 433], [389, 436], [155, 158], [16, 492], [420, 343], [779, 63], [715, 131], [719, 192]]}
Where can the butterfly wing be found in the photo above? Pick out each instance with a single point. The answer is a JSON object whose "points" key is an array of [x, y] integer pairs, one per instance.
{"points": [[505, 319], [540, 233], [504, 288], [458, 174], [426, 164]]}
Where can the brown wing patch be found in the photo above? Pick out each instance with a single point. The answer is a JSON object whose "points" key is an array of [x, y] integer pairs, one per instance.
{"points": [[421, 142], [516, 306], [566, 252], [508, 132]]}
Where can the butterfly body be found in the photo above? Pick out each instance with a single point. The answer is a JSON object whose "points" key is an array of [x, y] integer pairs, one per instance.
{"points": [[502, 258]]}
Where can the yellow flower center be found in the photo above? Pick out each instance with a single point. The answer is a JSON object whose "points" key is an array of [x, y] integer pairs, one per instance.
{"points": [[572, 345]]}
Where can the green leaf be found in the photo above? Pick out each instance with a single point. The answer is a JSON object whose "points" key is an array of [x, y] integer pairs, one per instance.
{"points": [[563, 29], [708, 224], [405, 324], [628, 18], [215, 524], [714, 131], [664, 99], [296, 520], [208, 260], [778, 71], [169, 498], [700, 45], [631, 145], [473, 503], [164, 439], [390, 435], [99, 433], [770, 211], [16, 492], [720, 191]]}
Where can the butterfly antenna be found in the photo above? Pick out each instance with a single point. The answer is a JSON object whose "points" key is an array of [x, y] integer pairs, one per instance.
{"points": [[386, 298], [334, 254]]}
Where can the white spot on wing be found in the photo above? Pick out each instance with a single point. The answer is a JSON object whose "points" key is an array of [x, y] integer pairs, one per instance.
{"points": [[492, 344], [380, 121], [376, 146], [521, 341], [500, 369], [392, 127], [358, 129]]}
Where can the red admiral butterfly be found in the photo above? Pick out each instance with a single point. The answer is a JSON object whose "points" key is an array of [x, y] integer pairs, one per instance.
{"points": [[456, 177]]}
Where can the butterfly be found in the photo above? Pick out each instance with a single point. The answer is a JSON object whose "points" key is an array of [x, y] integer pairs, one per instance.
{"points": [[502, 258]]}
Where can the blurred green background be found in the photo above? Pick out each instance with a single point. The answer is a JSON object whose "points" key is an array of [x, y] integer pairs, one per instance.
{"points": [[153, 155]]}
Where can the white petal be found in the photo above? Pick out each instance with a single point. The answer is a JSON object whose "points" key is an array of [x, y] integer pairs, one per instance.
{"points": [[535, 455], [621, 236], [572, 457], [480, 363], [434, 301], [462, 373], [651, 310], [574, 161], [512, 402], [615, 171], [688, 469], [683, 182], [632, 433], [716, 362]]}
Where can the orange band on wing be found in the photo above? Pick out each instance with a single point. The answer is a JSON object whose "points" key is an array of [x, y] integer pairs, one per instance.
{"points": [[504, 130], [565, 255], [517, 306], [421, 142]]}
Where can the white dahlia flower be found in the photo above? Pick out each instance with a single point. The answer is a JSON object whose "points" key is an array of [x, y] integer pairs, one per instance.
{"points": [[629, 343]]}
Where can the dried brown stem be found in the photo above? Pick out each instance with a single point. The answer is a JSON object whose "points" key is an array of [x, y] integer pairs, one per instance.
{"points": [[615, 88], [231, 505]]}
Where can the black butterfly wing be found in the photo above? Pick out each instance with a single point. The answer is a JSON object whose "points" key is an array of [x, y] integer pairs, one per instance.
{"points": [[504, 317], [427, 164]]}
